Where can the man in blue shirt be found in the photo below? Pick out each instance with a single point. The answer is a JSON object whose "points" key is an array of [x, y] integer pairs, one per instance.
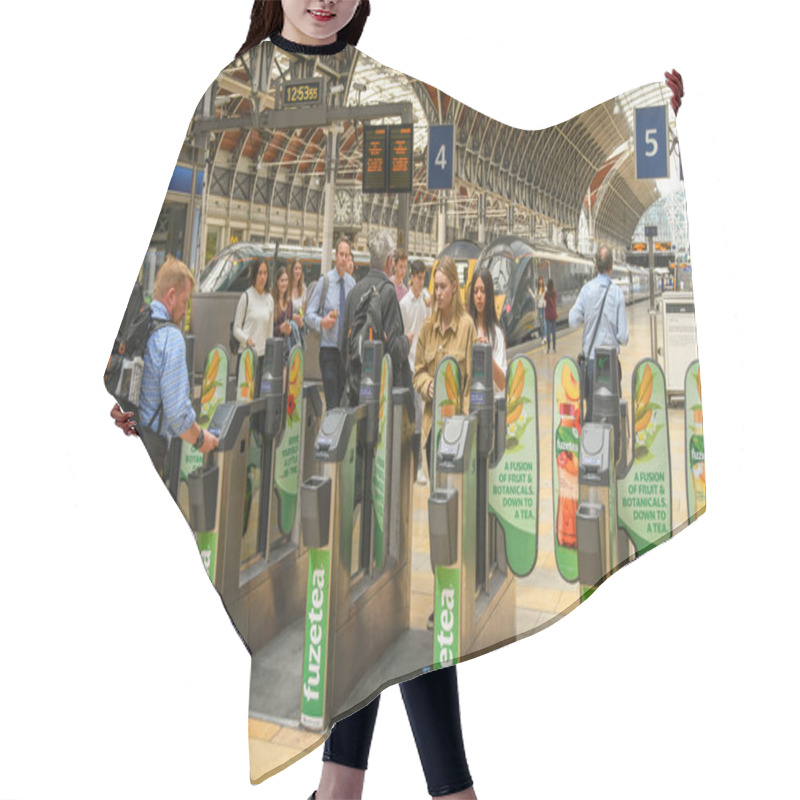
{"points": [[326, 318], [608, 330], [165, 401]]}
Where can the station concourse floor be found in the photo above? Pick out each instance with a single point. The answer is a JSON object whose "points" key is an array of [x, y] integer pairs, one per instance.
{"points": [[543, 595]]}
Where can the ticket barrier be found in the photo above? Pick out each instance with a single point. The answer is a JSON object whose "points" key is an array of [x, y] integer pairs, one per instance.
{"points": [[274, 566], [359, 581], [475, 592], [216, 496], [356, 585], [263, 587], [603, 547]]}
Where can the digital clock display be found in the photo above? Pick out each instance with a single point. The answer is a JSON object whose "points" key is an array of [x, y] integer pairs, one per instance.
{"points": [[302, 93]]}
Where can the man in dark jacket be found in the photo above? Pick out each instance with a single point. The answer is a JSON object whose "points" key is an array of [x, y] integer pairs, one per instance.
{"points": [[397, 344]]}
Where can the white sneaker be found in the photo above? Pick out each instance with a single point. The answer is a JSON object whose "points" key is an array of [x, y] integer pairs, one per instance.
{"points": [[421, 479]]}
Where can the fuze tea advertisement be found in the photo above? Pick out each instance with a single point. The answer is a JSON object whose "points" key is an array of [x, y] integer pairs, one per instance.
{"points": [[381, 459], [514, 482], [695, 443], [447, 603], [246, 391], [287, 454], [645, 493], [566, 454], [213, 393], [315, 653], [446, 402]]}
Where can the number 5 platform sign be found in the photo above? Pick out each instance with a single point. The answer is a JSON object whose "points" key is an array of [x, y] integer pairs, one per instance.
{"points": [[440, 157], [652, 151]]}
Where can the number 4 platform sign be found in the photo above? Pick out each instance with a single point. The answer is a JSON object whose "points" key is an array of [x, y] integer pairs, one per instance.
{"points": [[440, 157], [652, 150]]}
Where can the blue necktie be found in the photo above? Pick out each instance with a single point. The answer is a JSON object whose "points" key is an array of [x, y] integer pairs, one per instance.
{"points": [[341, 300]]}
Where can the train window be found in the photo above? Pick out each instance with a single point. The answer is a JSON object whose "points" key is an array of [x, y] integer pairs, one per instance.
{"points": [[500, 267], [240, 276], [463, 272]]}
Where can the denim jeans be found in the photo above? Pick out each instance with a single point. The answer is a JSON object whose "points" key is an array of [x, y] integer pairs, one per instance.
{"points": [[551, 331]]}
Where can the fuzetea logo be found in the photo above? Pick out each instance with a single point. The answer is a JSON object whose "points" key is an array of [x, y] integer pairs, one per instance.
{"points": [[446, 644], [315, 655], [446, 635], [316, 615]]}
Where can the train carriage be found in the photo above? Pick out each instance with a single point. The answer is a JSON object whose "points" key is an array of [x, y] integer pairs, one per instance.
{"points": [[465, 253], [516, 266]]}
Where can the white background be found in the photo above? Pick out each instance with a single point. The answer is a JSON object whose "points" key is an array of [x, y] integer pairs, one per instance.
{"points": [[120, 675]]}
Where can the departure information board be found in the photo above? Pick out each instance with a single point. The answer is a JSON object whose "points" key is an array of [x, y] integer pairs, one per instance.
{"points": [[388, 164], [401, 155], [374, 167]]}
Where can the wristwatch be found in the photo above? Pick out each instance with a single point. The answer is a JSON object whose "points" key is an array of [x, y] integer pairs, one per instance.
{"points": [[200, 440]]}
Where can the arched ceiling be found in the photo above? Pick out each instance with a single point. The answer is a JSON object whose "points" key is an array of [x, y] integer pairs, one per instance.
{"points": [[583, 164]]}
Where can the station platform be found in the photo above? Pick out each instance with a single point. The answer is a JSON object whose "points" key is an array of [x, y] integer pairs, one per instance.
{"points": [[542, 597]]}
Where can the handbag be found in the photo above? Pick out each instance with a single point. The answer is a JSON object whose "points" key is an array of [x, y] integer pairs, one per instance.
{"points": [[233, 342], [583, 358]]}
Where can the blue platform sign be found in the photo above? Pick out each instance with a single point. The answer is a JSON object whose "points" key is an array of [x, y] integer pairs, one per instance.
{"points": [[652, 150], [440, 157]]}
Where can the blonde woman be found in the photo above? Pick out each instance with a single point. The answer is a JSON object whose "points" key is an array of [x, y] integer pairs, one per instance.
{"points": [[448, 331]]}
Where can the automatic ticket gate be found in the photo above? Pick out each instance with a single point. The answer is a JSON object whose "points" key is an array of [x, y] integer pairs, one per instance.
{"points": [[603, 547], [356, 530], [260, 576], [475, 592]]}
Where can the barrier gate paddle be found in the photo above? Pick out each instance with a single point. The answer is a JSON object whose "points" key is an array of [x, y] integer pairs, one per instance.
{"points": [[514, 480], [567, 402]]}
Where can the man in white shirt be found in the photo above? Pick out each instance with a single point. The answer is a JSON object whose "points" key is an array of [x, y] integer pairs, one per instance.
{"points": [[415, 308]]}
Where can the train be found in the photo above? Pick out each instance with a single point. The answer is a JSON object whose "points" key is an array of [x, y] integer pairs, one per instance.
{"points": [[516, 264], [466, 254], [229, 270]]}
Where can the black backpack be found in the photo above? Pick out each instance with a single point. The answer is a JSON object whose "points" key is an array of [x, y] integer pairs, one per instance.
{"points": [[123, 375], [367, 325]]}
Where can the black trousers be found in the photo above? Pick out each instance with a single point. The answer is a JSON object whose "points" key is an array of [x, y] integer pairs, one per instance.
{"points": [[431, 702], [330, 366]]}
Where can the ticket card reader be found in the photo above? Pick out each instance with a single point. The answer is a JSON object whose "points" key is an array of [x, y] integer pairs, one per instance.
{"points": [[607, 406]]}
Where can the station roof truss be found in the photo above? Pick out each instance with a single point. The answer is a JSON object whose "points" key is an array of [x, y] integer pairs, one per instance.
{"points": [[584, 165]]}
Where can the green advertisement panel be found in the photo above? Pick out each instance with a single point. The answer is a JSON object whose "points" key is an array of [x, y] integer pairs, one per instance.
{"points": [[380, 507], [695, 444], [246, 391], [446, 403], [213, 393], [246, 376], [645, 492], [207, 545], [315, 653], [566, 452], [286, 481], [447, 602], [514, 482]]}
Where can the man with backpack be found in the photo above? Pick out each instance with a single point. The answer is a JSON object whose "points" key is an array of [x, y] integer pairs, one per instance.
{"points": [[372, 311], [165, 402]]}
